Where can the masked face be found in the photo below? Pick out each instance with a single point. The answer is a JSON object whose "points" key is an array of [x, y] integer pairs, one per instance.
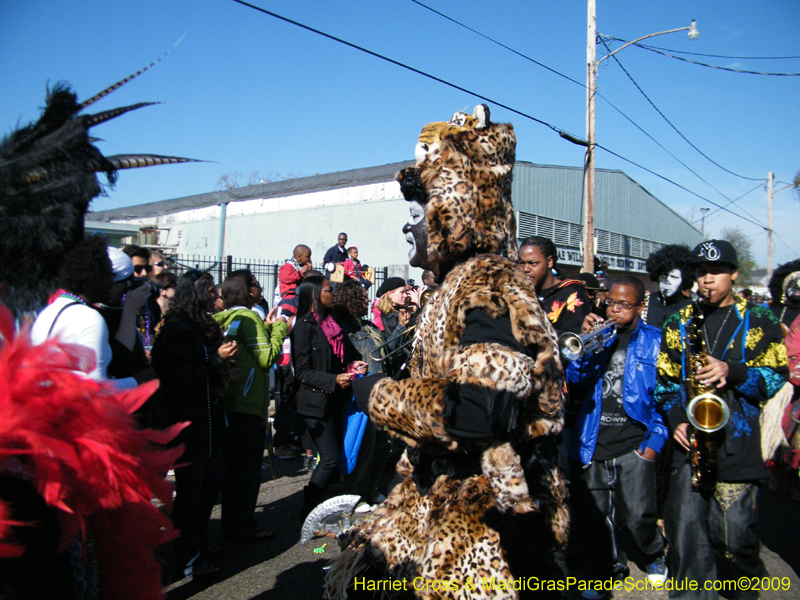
{"points": [[416, 231], [670, 284]]}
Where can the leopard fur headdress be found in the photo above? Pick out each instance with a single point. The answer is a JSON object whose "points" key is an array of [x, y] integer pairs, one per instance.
{"points": [[463, 175]]}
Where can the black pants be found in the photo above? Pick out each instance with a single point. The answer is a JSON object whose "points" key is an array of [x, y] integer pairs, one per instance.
{"points": [[372, 456], [246, 437], [708, 533], [614, 504], [197, 486]]}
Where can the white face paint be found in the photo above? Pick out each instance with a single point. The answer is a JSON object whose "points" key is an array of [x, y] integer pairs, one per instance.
{"points": [[670, 283], [416, 231]]}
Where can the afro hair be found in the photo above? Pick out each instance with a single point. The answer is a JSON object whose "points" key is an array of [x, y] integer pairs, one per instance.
{"points": [[667, 258], [778, 276]]}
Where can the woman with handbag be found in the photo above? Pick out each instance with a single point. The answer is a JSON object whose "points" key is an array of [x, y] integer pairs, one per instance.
{"points": [[324, 362]]}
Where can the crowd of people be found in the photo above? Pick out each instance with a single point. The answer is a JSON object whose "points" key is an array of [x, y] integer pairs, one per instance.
{"points": [[541, 416], [626, 435]]}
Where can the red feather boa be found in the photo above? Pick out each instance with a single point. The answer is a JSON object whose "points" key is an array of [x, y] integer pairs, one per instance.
{"points": [[76, 440]]}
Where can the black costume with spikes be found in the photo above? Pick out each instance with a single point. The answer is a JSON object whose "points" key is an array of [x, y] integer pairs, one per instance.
{"points": [[47, 180]]}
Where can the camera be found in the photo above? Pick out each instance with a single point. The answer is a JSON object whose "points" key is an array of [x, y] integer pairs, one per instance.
{"points": [[138, 282]]}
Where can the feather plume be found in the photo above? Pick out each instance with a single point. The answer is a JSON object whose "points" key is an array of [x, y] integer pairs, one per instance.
{"points": [[76, 441], [47, 180]]}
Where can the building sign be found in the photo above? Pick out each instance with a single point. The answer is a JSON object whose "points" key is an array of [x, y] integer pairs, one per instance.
{"points": [[571, 256]]}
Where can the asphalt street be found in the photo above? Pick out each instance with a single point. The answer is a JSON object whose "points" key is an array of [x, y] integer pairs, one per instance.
{"points": [[282, 568]]}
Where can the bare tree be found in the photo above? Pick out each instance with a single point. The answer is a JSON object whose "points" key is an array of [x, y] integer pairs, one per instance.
{"points": [[235, 179], [744, 251]]}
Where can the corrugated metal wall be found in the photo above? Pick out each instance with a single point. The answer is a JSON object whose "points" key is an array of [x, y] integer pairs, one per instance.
{"points": [[621, 205]]}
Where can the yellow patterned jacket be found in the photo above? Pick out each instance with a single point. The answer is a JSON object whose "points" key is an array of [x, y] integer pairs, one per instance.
{"points": [[756, 356]]}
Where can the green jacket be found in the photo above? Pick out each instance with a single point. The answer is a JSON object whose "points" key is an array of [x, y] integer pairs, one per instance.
{"points": [[259, 346]]}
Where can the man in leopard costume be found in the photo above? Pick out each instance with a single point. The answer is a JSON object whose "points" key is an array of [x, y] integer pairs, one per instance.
{"points": [[482, 507]]}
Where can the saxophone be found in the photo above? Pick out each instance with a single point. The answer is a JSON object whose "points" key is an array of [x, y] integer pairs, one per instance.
{"points": [[707, 412]]}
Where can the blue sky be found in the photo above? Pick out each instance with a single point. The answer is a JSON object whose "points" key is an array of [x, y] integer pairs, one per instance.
{"points": [[253, 93]]}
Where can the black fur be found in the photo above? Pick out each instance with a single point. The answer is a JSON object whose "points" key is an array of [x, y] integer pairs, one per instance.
{"points": [[778, 275], [46, 183]]}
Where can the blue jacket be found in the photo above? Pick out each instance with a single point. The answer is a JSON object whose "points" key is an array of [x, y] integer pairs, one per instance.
{"points": [[585, 376]]}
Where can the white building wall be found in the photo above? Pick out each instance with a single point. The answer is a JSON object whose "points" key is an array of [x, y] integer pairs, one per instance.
{"points": [[372, 216]]}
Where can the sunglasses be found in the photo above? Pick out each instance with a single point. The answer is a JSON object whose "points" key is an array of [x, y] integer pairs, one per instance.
{"points": [[160, 263], [145, 268]]}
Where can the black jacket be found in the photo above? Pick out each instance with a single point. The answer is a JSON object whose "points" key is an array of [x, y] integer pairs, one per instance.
{"points": [[316, 368], [189, 371]]}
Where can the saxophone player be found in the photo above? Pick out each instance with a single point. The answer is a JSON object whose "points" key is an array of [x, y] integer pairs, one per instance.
{"points": [[745, 364]]}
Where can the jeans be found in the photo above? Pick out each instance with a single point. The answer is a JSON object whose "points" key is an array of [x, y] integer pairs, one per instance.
{"points": [[707, 533], [326, 434], [246, 438], [614, 504]]}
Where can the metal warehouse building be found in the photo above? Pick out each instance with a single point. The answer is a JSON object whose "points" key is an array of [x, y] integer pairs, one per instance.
{"points": [[266, 221]]}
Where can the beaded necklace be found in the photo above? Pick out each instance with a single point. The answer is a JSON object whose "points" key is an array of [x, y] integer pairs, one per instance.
{"points": [[74, 297]]}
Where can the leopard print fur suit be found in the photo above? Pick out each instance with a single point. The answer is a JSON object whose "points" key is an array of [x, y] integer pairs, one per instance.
{"points": [[468, 511]]}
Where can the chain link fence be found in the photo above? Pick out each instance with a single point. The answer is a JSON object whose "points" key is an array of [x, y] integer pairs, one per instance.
{"points": [[266, 271]]}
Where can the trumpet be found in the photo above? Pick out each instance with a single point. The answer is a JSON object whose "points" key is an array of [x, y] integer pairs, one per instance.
{"points": [[572, 346]]}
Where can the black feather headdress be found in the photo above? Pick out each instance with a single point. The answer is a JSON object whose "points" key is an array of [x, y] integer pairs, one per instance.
{"points": [[47, 180]]}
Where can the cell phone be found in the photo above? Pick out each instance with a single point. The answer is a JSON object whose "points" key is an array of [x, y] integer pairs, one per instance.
{"points": [[230, 333]]}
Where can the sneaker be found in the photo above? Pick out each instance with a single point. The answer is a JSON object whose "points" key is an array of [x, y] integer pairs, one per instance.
{"points": [[657, 571], [593, 595], [379, 499], [285, 453], [309, 462], [364, 507]]}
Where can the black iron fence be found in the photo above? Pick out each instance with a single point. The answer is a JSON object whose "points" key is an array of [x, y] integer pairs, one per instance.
{"points": [[266, 271]]}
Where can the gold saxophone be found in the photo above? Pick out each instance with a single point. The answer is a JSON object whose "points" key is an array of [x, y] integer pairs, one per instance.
{"points": [[707, 412]]}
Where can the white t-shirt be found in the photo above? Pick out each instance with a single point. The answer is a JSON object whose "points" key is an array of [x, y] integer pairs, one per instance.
{"points": [[81, 325]]}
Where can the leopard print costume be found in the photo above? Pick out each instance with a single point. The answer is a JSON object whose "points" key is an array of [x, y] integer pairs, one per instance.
{"points": [[468, 509]]}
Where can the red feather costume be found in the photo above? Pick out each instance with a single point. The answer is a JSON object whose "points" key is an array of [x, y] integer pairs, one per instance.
{"points": [[76, 442]]}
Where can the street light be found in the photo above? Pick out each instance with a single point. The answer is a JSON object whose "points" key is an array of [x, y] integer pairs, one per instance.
{"points": [[591, 90]]}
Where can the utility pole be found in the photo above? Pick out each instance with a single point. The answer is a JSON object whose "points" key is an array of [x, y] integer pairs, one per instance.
{"points": [[703, 211], [591, 91], [588, 168], [769, 225]]}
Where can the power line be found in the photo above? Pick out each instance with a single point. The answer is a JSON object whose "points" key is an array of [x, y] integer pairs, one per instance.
{"points": [[663, 116], [785, 244], [680, 186], [502, 45], [730, 202], [648, 46], [700, 64], [561, 132], [467, 27]]}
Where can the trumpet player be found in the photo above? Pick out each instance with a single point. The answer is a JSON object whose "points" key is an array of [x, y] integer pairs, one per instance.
{"points": [[615, 441], [713, 525]]}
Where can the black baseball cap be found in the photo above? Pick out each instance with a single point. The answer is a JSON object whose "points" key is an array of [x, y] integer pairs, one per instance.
{"points": [[715, 251]]}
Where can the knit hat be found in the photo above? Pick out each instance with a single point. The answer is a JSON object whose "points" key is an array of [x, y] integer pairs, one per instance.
{"points": [[391, 284], [121, 263]]}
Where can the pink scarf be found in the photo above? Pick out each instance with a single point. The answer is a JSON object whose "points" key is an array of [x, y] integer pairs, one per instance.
{"points": [[335, 336]]}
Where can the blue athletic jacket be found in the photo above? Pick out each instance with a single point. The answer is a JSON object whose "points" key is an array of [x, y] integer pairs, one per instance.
{"points": [[585, 377]]}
